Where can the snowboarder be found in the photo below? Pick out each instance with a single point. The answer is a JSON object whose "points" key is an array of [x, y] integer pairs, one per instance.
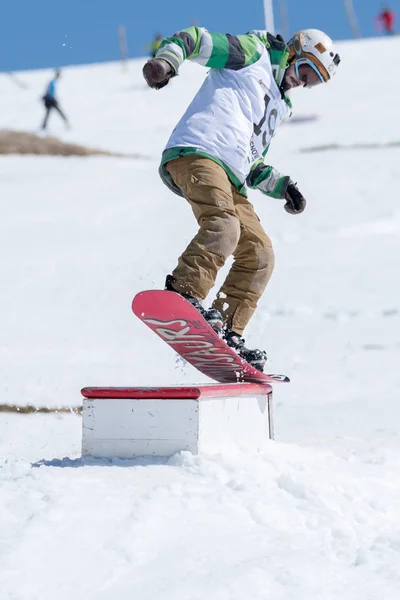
{"points": [[218, 148], [50, 101]]}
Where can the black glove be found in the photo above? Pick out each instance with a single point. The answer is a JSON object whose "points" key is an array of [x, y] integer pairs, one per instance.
{"points": [[157, 73], [295, 201]]}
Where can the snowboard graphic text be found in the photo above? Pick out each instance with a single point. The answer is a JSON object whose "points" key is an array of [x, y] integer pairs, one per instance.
{"points": [[201, 353]]}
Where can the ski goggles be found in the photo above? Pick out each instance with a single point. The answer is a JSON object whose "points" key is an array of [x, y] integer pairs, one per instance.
{"points": [[302, 69]]}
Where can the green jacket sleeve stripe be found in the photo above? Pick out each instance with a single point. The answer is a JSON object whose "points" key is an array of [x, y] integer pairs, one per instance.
{"points": [[268, 180], [189, 42], [213, 50], [236, 58], [173, 52], [251, 48], [220, 51], [205, 49]]}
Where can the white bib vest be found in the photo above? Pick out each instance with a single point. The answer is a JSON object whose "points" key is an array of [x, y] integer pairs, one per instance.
{"points": [[233, 116]]}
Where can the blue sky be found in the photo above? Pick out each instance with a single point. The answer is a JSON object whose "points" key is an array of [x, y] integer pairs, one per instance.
{"points": [[50, 33]]}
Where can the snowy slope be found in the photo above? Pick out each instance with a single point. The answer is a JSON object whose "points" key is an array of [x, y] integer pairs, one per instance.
{"points": [[316, 515]]}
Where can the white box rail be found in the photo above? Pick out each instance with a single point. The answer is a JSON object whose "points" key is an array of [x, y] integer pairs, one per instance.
{"points": [[127, 422]]}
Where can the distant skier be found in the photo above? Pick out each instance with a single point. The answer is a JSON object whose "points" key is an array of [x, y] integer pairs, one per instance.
{"points": [[386, 20], [217, 149], [50, 101]]}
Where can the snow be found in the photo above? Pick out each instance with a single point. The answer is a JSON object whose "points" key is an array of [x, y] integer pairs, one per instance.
{"points": [[316, 514]]}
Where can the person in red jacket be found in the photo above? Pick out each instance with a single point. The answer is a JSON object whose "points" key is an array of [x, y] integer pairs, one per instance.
{"points": [[385, 20]]}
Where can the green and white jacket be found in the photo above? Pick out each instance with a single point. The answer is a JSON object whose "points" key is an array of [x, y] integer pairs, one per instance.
{"points": [[237, 110]]}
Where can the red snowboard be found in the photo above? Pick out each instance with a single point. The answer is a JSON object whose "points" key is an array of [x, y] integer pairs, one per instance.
{"points": [[179, 324]]}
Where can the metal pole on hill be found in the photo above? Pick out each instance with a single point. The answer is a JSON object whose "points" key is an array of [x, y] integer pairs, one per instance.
{"points": [[123, 45], [284, 20], [269, 16], [351, 15], [21, 84]]}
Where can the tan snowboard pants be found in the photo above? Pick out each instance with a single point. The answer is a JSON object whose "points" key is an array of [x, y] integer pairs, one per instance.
{"points": [[228, 225]]}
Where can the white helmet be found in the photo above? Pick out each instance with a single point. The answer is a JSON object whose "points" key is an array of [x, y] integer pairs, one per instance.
{"points": [[315, 48]]}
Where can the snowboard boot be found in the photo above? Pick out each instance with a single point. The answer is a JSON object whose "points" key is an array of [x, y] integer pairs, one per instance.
{"points": [[255, 358], [211, 315]]}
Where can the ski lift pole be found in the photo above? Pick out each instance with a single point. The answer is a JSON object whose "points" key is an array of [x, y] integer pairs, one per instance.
{"points": [[269, 16], [123, 46], [351, 15], [284, 19]]}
